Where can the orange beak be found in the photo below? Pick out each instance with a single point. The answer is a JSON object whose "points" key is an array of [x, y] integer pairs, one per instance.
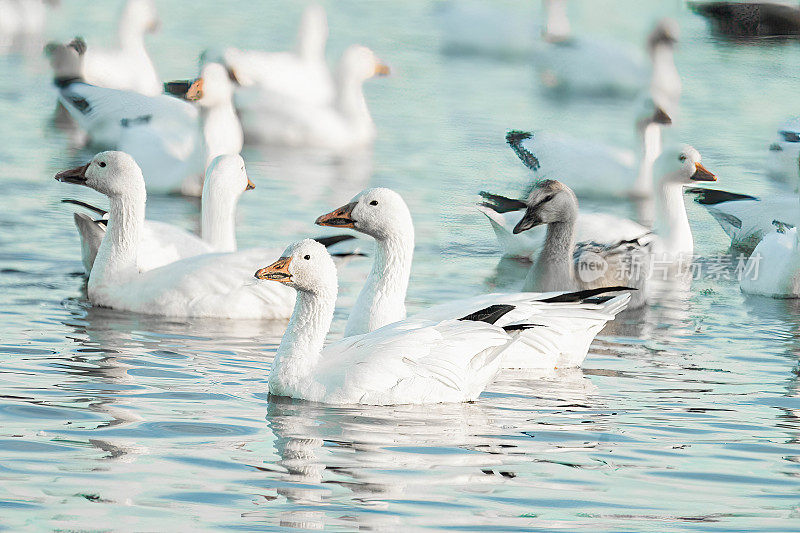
{"points": [[382, 70], [702, 174], [339, 218], [277, 271], [250, 185], [195, 91]]}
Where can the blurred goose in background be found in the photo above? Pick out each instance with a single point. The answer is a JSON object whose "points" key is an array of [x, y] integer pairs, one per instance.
{"points": [[342, 125], [172, 140], [382, 214], [210, 285], [563, 265], [301, 77], [747, 219], [480, 28], [163, 243], [414, 361], [773, 269], [748, 20], [568, 64], [127, 66], [22, 23], [595, 169], [784, 153]]}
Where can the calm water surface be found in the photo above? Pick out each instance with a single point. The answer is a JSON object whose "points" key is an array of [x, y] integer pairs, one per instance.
{"points": [[685, 416]]}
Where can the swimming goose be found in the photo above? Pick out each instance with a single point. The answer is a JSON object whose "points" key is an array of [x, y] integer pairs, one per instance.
{"points": [[210, 285], [171, 139], [773, 269], [162, 243], [576, 65], [128, 66], [382, 214], [414, 361], [563, 265], [747, 219], [675, 167], [301, 76], [595, 169], [747, 20], [343, 125]]}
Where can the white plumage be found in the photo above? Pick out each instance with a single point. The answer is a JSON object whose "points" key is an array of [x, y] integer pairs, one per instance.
{"points": [[773, 268]]}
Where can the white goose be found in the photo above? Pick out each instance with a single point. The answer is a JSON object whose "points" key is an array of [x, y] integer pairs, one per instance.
{"points": [[301, 76], [128, 66], [676, 167], [171, 139], [747, 219], [163, 243], [345, 124], [588, 66], [773, 269], [383, 215], [209, 285], [785, 152], [415, 361]]}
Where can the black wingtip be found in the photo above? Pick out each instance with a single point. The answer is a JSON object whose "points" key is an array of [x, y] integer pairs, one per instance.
{"points": [[517, 136], [514, 139], [715, 196], [334, 239], [583, 296], [490, 314], [520, 327], [502, 204], [85, 205]]}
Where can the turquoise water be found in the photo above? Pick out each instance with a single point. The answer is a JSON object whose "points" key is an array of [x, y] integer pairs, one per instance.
{"points": [[684, 417]]}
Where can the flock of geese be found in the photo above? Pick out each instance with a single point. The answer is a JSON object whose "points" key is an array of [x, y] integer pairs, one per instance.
{"points": [[186, 136]]}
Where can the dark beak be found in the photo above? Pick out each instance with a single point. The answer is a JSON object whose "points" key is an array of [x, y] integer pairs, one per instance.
{"points": [[339, 218], [250, 185], [75, 175], [661, 117], [702, 174], [529, 220], [178, 88]]}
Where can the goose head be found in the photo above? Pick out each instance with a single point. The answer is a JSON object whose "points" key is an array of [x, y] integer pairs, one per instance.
{"points": [[380, 213], [306, 266], [114, 174], [66, 59], [360, 63], [213, 87], [140, 16], [313, 34], [665, 33], [549, 202], [681, 165], [226, 177]]}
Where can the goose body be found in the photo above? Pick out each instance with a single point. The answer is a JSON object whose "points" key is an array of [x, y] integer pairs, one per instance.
{"points": [[171, 139], [162, 243], [747, 219], [127, 66], [344, 124], [300, 76], [208, 285], [773, 269], [413, 361], [382, 214]]}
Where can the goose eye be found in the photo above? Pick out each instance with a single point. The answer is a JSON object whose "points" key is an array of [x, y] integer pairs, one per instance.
{"points": [[102, 163], [374, 202], [682, 158], [307, 257], [547, 198]]}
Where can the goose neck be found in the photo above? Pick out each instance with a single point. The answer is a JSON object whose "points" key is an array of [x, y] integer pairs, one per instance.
{"points": [[557, 26], [117, 256], [651, 149], [351, 102], [301, 345], [222, 131], [553, 269], [219, 219], [382, 299], [672, 223]]}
